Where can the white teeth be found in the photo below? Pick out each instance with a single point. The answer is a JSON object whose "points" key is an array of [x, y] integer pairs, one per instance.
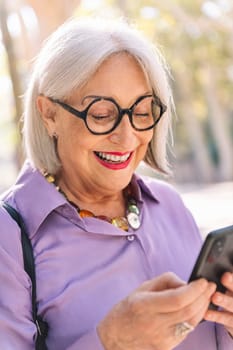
{"points": [[113, 157]]}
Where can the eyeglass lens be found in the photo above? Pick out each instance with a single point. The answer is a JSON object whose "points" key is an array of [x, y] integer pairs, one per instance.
{"points": [[103, 115]]}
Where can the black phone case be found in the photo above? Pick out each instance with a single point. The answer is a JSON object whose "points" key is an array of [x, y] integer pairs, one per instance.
{"points": [[215, 257]]}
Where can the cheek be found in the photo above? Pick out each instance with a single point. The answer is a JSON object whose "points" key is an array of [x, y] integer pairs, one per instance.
{"points": [[75, 139], [147, 137], [70, 129], [68, 138], [145, 140]]}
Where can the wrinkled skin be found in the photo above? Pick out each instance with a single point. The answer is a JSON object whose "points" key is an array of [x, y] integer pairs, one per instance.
{"points": [[146, 319]]}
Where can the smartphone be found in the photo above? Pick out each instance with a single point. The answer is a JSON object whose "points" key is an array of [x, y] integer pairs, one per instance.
{"points": [[215, 257]]}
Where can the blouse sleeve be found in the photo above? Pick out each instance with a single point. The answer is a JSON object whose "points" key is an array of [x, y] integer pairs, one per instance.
{"points": [[17, 329]]}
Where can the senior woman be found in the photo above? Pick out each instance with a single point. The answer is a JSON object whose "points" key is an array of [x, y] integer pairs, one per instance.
{"points": [[112, 249]]}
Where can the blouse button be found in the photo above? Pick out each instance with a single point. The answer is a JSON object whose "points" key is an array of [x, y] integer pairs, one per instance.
{"points": [[131, 238]]}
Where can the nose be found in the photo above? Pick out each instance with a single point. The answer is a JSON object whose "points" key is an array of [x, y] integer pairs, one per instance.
{"points": [[124, 134]]}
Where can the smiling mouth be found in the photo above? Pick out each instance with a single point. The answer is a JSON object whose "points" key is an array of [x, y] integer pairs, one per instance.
{"points": [[113, 158]]}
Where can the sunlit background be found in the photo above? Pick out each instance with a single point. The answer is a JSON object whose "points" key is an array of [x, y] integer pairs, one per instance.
{"points": [[196, 38]]}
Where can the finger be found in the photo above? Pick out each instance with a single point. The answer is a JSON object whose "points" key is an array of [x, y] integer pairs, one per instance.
{"points": [[224, 301], [227, 280], [223, 317], [176, 299], [166, 281], [191, 315], [194, 312]]}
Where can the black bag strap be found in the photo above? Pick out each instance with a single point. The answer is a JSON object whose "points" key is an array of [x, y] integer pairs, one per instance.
{"points": [[29, 267]]}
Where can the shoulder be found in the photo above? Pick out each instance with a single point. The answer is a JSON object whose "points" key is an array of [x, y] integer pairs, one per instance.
{"points": [[160, 190], [164, 199], [10, 233], [33, 197], [24, 177], [10, 239], [9, 228]]}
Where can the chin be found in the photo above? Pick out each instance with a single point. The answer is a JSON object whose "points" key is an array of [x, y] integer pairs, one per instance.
{"points": [[118, 184]]}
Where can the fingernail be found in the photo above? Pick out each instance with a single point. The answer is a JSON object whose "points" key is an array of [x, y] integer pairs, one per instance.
{"points": [[213, 286]]}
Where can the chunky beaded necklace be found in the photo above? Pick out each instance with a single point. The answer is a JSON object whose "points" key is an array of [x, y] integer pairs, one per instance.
{"points": [[132, 218]]}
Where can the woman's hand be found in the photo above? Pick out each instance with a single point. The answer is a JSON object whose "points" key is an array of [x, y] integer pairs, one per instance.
{"points": [[148, 317], [225, 301]]}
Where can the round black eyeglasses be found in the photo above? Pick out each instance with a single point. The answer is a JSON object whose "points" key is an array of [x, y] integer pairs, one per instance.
{"points": [[104, 114]]}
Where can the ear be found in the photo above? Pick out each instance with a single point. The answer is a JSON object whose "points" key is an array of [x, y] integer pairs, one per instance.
{"points": [[47, 110]]}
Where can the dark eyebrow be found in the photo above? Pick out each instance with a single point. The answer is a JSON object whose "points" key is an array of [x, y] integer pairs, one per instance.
{"points": [[103, 96]]}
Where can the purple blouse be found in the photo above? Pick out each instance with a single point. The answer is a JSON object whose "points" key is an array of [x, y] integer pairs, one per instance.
{"points": [[85, 266]]}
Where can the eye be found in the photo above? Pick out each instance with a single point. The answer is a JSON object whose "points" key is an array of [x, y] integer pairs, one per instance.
{"points": [[102, 117], [102, 111], [99, 117], [138, 114]]}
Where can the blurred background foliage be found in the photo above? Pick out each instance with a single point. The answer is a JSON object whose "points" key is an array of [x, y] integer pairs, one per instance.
{"points": [[196, 38]]}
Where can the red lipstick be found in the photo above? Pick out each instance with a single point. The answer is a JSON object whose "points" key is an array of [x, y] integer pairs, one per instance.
{"points": [[114, 165]]}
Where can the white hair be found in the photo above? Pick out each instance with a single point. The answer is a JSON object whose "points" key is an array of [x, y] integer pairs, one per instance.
{"points": [[68, 59]]}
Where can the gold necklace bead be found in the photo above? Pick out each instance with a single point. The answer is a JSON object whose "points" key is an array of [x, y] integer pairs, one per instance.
{"points": [[50, 178], [120, 222]]}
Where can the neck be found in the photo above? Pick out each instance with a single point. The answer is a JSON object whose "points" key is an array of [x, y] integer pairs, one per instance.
{"points": [[112, 204], [128, 211]]}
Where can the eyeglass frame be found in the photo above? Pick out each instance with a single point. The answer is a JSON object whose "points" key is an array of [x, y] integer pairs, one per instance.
{"points": [[121, 111]]}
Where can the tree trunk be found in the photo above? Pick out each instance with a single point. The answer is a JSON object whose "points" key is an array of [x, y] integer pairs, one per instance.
{"points": [[219, 125], [194, 130], [52, 13], [12, 64]]}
